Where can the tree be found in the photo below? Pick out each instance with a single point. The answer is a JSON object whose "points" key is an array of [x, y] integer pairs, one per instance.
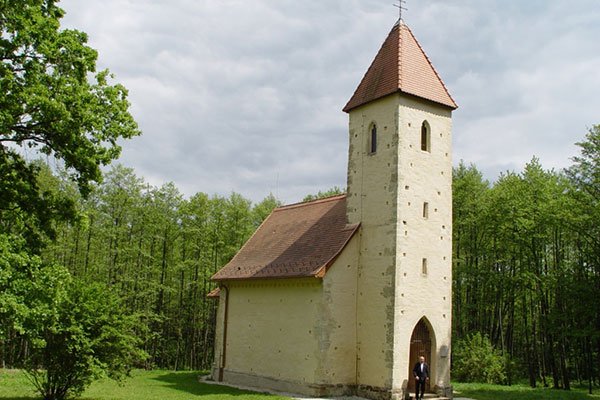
{"points": [[83, 336], [261, 210], [470, 196], [476, 360], [50, 103], [53, 102], [15, 265], [320, 195], [585, 176]]}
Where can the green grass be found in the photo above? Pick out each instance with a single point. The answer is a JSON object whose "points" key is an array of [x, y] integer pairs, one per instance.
{"points": [[143, 385], [480, 391], [167, 385]]}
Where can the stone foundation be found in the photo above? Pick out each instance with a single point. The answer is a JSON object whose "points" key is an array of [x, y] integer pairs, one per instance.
{"points": [[303, 388], [445, 391], [320, 390]]}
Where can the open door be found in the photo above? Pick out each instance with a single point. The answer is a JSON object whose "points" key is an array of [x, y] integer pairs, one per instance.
{"points": [[420, 345]]}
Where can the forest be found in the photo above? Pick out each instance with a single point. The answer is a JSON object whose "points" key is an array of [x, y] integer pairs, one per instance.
{"points": [[526, 263], [157, 251], [526, 271], [101, 272]]}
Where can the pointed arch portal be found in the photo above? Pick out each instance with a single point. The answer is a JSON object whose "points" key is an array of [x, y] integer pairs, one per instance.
{"points": [[420, 345]]}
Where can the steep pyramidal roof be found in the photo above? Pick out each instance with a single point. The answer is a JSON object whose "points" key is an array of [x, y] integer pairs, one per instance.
{"points": [[401, 65], [299, 240]]}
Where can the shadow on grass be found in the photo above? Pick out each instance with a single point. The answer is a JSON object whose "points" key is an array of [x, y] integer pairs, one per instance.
{"points": [[188, 382], [19, 398]]}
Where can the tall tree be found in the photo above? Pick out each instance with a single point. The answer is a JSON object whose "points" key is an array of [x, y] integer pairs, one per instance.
{"points": [[50, 103], [585, 175]]}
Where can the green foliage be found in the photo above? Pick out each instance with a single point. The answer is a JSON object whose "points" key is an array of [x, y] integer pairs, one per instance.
{"points": [[320, 195], [482, 391], [585, 173], [74, 332], [83, 336], [526, 267], [158, 251], [18, 273], [262, 210], [143, 385], [476, 360], [50, 102]]}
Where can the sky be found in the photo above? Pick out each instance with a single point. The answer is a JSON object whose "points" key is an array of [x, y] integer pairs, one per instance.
{"points": [[246, 96]]}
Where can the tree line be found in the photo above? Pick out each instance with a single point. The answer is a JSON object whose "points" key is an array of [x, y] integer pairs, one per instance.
{"points": [[527, 267], [157, 251], [99, 276], [526, 263], [65, 332]]}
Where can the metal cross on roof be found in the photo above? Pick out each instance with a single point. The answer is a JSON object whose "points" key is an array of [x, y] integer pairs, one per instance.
{"points": [[401, 8]]}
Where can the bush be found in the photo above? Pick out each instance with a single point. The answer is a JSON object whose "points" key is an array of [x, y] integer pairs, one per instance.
{"points": [[84, 336], [474, 359]]}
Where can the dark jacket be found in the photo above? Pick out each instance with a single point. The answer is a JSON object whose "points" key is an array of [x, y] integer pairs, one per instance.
{"points": [[417, 371]]}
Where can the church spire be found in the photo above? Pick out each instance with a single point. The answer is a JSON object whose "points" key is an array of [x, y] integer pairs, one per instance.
{"points": [[401, 65]]}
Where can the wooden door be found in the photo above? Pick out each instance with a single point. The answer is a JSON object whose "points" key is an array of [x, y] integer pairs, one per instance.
{"points": [[420, 345]]}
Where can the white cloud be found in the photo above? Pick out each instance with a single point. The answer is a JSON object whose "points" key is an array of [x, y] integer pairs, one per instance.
{"points": [[246, 96]]}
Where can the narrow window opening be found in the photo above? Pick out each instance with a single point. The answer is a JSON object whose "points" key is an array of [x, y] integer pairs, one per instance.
{"points": [[424, 266], [373, 141], [425, 137], [425, 210]]}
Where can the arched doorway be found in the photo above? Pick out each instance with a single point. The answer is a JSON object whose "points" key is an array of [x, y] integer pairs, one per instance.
{"points": [[420, 345]]}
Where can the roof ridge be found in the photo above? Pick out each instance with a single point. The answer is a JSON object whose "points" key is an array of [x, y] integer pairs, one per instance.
{"points": [[430, 63], [400, 53], [311, 202]]}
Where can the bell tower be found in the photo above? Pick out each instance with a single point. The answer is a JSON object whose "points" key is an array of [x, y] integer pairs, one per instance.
{"points": [[400, 191]]}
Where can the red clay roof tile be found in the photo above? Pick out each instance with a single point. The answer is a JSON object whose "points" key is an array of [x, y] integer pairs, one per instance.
{"points": [[401, 65], [298, 240]]}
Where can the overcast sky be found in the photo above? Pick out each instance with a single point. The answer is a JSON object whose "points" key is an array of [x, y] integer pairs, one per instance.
{"points": [[246, 95]]}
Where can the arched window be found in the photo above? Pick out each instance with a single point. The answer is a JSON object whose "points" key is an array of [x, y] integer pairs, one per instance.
{"points": [[425, 137], [373, 139]]}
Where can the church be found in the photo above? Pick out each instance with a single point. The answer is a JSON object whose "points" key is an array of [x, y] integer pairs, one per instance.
{"points": [[341, 295]]}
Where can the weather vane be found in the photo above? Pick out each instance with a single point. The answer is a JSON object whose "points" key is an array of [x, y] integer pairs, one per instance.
{"points": [[401, 8]]}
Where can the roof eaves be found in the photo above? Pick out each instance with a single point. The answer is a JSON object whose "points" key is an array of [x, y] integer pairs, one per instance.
{"points": [[320, 273]]}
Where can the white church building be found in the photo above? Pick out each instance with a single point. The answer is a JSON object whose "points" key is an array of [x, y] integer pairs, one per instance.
{"points": [[340, 296]]}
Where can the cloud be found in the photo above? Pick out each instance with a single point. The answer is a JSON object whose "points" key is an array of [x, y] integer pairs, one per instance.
{"points": [[246, 96]]}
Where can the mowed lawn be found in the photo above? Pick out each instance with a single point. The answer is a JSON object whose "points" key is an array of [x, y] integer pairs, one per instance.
{"points": [[143, 385], [480, 391], [168, 385]]}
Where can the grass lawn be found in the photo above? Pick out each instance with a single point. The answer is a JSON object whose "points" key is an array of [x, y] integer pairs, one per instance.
{"points": [[481, 391], [143, 385], [168, 385]]}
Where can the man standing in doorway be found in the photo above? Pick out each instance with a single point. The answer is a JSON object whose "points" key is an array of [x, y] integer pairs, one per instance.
{"points": [[421, 374]]}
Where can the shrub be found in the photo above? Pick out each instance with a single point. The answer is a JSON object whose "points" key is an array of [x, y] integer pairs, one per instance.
{"points": [[84, 337], [474, 359]]}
